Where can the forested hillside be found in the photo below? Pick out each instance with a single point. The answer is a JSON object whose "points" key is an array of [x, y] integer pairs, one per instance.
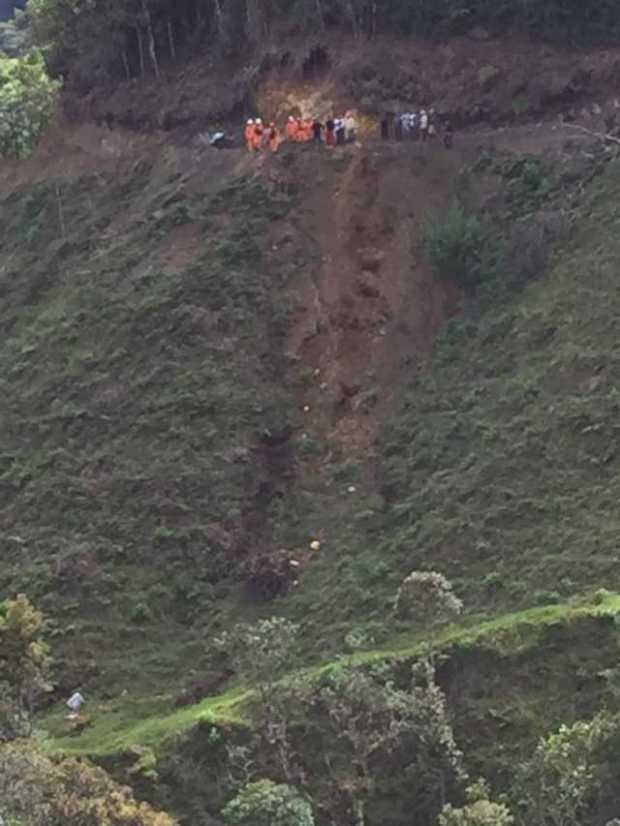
{"points": [[309, 454], [118, 40]]}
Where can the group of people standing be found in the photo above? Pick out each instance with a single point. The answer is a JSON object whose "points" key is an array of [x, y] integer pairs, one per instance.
{"points": [[334, 132], [420, 125]]}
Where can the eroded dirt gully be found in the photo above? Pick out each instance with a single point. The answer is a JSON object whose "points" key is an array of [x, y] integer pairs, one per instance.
{"points": [[371, 308]]}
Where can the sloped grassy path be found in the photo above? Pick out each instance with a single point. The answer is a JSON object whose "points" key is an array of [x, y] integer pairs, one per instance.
{"points": [[512, 638]]}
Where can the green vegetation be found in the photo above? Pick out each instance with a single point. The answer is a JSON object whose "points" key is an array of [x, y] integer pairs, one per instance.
{"points": [[150, 475], [265, 803], [27, 102], [37, 791], [454, 247], [24, 665], [260, 655], [501, 468], [559, 783], [426, 598], [150, 463], [478, 811], [370, 721], [130, 722], [15, 35], [502, 676]]}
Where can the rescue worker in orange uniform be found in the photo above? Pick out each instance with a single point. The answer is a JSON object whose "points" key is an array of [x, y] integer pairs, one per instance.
{"points": [[257, 137], [308, 131], [273, 137], [291, 129], [249, 135]]}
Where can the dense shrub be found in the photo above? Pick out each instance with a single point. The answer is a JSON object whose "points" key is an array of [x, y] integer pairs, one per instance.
{"points": [[37, 791], [265, 803], [24, 665], [479, 810], [562, 781], [27, 101], [426, 597], [454, 247], [15, 35]]}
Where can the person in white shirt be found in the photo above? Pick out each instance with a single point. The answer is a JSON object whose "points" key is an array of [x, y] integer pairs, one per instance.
{"points": [[350, 127], [424, 124], [75, 703]]}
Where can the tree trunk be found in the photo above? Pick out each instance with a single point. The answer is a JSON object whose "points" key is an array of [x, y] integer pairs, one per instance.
{"points": [[600, 135], [151, 37], [61, 213], [253, 20], [442, 789], [173, 51], [320, 15], [140, 49], [373, 19], [353, 17], [199, 15], [126, 64], [219, 20], [359, 811]]}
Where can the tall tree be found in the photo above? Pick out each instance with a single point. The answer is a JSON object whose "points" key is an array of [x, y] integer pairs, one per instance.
{"points": [[370, 719], [24, 664], [260, 654]]}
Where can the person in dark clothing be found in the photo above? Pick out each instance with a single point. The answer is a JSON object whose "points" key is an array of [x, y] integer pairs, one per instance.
{"points": [[340, 135], [398, 128], [330, 132], [317, 131], [385, 127], [448, 135]]}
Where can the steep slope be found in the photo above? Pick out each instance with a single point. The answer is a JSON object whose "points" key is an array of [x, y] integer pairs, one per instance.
{"points": [[153, 416], [139, 358], [209, 361], [503, 465]]}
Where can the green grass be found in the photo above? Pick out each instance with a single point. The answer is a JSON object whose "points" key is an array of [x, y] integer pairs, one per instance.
{"points": [[135, 392], [139, 388], [502, 467], [124, 724]]}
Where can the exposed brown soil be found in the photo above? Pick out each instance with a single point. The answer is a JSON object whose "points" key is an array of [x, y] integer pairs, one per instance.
{"points": [[372, 307], [476, 78], [69, 150]]}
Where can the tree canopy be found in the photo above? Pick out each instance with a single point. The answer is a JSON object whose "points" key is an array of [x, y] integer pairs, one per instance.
{"points": [[27, 102], [115, 39], [265, 803], [24, 663], [37, 791]]}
